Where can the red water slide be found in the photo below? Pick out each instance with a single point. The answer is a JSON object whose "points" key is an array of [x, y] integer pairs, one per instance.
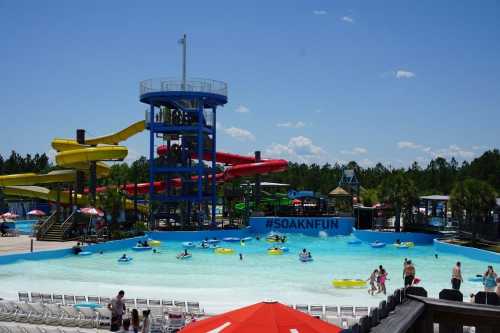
{"points": [[240, 166]]}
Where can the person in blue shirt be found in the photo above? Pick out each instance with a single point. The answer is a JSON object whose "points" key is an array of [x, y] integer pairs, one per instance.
{"points": [[490, 280]]}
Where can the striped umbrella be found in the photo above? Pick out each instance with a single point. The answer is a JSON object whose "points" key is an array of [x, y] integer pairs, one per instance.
{"points": [[36, 212], [9, 215], [91, 211]]}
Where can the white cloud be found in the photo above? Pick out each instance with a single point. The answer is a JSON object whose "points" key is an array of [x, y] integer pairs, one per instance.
{"points": [[318, 111], [402, 74], [242, 109], [355, 151], [239, 134], [347, 19], [450, 151], [408, 144], [300, 149], [298, 124], [320, 12]]}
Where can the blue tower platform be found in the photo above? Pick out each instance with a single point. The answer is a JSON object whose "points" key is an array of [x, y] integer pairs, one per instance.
{"points": [[182, 118]]}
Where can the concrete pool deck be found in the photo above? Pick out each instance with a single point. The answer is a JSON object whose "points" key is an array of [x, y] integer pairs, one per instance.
{"points": [[22, 244]]}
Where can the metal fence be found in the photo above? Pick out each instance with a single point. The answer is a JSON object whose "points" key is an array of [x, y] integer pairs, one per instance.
{"points": [[173, 84]]}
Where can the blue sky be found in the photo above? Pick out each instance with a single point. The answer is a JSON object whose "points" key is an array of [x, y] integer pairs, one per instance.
{"points": [[317, 81]]}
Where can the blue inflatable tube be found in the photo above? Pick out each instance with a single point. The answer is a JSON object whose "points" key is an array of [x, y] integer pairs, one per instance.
{"points": [[377, 245], [475, 279], [231, 239], [128, 259], [85, 253], [188, 244], [213, 241], [184, 256], [305, 259], [354, 241], [142, 248]]}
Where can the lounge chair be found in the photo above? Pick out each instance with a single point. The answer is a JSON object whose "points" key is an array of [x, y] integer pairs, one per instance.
{"points": [[93, 299], [181, 305], [69, 299], [347, 311], [53, 314], [36, 297], [154, 302], [24, 312], [80, 299], [361, 311], [167, 302], [331, 312], [129, 302], [103, 318], [104, 300], [38, 313], [141, 303], [57, 299], [302, 308], [70, 316], [317, 311], [88, 317], [23, 296], [47, 298], [193, 308]]}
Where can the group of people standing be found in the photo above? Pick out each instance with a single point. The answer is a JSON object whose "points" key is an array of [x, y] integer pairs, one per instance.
{"points": [[130, 324], [377, 281], [490, 279]]}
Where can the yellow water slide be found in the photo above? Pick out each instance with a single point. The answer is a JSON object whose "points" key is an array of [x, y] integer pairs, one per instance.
{"points": [[73, 156]]}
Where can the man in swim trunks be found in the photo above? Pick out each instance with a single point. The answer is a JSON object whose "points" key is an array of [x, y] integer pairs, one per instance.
{"points": [[409, 273], [456, 276]]}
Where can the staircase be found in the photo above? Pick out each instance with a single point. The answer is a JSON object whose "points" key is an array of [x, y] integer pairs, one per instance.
{"points": [[54, 229]]}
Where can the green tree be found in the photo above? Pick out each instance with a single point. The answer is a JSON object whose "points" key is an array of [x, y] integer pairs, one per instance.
{"points": [[472, 201], [399, 191], [369, 196], [111, 202]]}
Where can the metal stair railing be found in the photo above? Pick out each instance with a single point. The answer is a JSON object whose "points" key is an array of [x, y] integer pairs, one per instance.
{"points": [[45, 226]]}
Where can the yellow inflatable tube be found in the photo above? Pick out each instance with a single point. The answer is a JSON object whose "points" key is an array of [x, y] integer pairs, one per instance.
{"points": [[154, 243], [224, 250], [274, 252], [348, 283]]}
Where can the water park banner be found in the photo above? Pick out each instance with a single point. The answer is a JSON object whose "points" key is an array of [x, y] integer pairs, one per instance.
{"points": [[332, 225]]}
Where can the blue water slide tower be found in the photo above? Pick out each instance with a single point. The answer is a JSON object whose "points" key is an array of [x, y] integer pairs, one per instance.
{"points": [[181, 120]]}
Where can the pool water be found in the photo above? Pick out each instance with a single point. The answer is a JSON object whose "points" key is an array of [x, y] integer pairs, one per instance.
{"points": [[222, 282], [25, 227]]}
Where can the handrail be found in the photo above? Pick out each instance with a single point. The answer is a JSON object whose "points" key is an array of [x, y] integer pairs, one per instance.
{"points": [[68, 223], [191, 85], [45, 226]]}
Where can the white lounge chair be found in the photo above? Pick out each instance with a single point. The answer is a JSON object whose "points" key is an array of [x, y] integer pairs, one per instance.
{"points": [[88, 317], [46, 298], [194, 309], [69, 299], [57, 299], [317, 311], [141, 303], [93, 299], [104, 300], [38, 313], [346, 311], [302, 308], [180, 304], [53, 314], [80, 299], [23, 296], [361, 311], [331, 312], [154, 302], [36, 297], [103, 318]]}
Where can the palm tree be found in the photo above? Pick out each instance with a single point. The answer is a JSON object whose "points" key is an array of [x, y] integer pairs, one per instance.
{"points": [[112, 202], [399, 191], [472, 201]]}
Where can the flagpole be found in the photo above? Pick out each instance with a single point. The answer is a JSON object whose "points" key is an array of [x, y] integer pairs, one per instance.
{"points": [[184, 42]]}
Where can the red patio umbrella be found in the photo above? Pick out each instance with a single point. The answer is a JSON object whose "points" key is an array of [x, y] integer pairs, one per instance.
{"points": [[9, 215], [91, 211], [36, 212], [269, 317], [296, 202]]}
